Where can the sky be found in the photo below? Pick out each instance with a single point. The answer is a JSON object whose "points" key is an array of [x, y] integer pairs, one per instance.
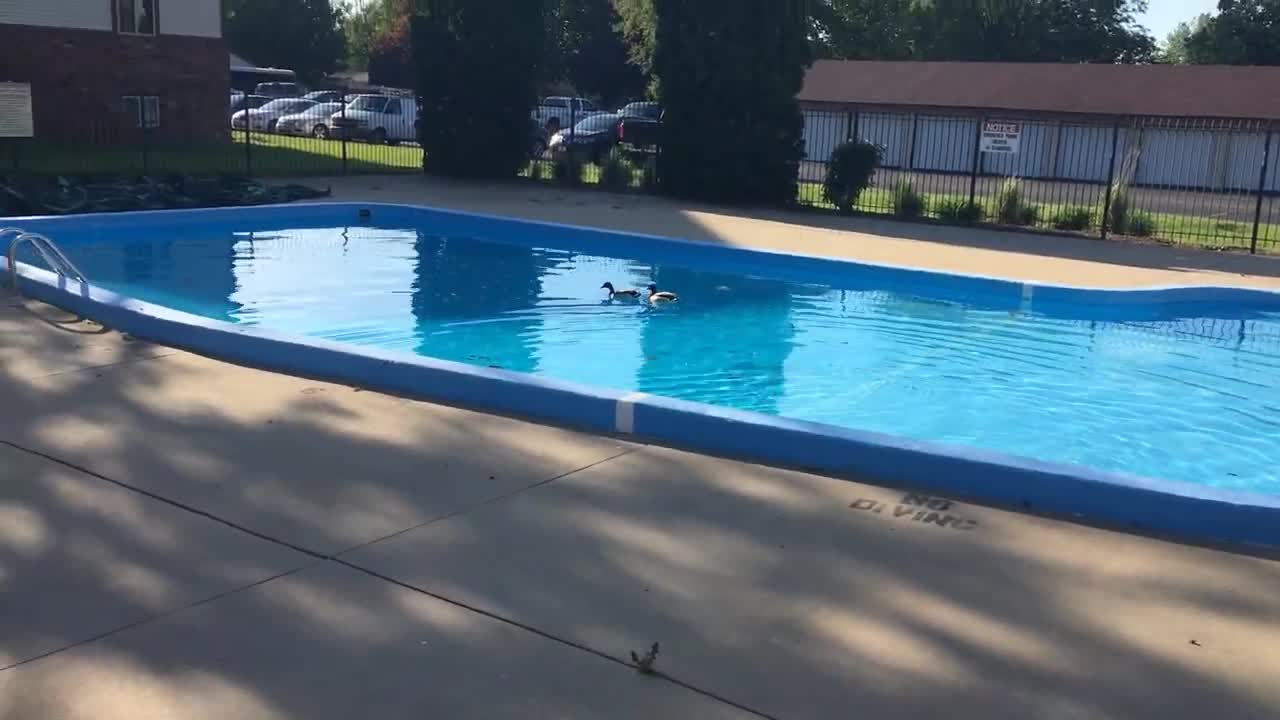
{"points": [[1163, 15]]}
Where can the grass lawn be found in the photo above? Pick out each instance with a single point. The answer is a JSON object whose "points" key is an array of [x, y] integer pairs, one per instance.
{"points": [[265, 155], [1207, 232], [283, 156]]}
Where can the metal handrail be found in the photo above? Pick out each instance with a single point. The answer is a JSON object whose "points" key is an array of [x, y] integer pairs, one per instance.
{"points": [[56, 259]]}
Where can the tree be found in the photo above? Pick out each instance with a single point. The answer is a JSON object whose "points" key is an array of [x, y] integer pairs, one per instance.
{"points": [[361, 23], [1244, 32], [638, 24], [983, 30], [478, 66], [301, 35], [1178, 47], [390, 52], [586, 49], [733, 129]]}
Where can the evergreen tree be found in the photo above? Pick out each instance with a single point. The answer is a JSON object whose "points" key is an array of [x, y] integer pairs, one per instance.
{"points": [[729, 75], [477, 74]]}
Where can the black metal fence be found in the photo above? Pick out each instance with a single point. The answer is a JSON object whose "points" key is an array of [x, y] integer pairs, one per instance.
{"points": [[306, 139], [1209, 183]]}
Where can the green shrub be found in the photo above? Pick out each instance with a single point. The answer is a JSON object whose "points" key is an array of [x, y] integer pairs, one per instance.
{"points": [[1028, 215], [478, 66], [907, 203], [616, 171], [562, 169], [537, 170], [1073, 218], [961, 212], [649, 178], [1141, 224], [851, 171], [1009, 202]]}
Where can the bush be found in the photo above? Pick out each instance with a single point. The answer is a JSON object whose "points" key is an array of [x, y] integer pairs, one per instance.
{"points": [[537, 170], [616, 171], [907, 203], [477, 67], [1073, 218], [1009, 202], [562, 169], [729, 78], [1141, 224], [649, 178], [1012, 208], [961, 212], [851, 171]]}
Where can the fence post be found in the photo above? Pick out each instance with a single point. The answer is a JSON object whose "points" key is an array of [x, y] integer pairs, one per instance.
{"points": [[574, 175], [851, 122], [345, 131], [1111, 178], [977, 160], [146, 147], [1262, 187], [248, 144]]}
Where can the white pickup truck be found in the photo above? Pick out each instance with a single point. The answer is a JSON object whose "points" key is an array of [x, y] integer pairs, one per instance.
{"points": [[557, 112]]}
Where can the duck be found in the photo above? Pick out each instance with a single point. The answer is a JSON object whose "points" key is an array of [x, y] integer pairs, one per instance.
{"points": [[656, 297], [625, 293]]}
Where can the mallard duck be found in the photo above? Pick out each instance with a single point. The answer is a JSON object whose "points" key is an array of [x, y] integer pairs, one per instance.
{"points": [[626, 293], [656, 297]]}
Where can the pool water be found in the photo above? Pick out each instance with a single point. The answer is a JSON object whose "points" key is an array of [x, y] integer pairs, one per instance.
{"points": [[1177, 392]]}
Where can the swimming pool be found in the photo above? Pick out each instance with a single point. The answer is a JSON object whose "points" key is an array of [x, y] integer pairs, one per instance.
{"points": [[1178, 385]]}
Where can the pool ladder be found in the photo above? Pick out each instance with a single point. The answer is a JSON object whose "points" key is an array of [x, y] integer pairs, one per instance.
{"points": [[47, 250]]}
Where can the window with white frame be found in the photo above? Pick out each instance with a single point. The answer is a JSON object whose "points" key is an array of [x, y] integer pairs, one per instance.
{"points": [[136, 17], [144, 108]]}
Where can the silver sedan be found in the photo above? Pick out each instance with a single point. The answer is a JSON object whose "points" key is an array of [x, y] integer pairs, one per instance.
{"points": [[313, 121]]}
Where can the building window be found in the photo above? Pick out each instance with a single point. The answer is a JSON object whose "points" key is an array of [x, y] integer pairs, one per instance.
{"points": [[136, 17], [144, 109]]}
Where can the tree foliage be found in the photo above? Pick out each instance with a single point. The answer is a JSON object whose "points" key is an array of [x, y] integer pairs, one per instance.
{"points": [[586, 48], [733, 129], [302, 35], [982, 30], [477, 74], [1244, 32], [390, 54]]}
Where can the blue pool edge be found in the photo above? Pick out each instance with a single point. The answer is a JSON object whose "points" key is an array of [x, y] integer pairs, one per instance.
{"points": [[1124, 501]]}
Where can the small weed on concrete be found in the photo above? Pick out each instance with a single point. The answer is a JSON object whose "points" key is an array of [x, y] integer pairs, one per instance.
{"points": [[646, 663]]}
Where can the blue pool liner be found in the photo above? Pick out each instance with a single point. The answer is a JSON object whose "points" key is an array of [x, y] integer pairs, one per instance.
{"points": [[1154, 506]]}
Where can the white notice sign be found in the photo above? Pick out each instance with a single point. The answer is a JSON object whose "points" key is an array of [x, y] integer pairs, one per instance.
{"points": [[1001, 137], [15, 111]]}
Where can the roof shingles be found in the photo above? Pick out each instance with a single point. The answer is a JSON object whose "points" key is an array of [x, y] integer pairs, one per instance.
{"points": [[1211, 91]]}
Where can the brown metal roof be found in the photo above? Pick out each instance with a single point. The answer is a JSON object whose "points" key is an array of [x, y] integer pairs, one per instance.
{"points": [[1216, 91]]}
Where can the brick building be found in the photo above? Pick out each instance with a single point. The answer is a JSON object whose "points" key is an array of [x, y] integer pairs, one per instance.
{"points": [[105, 69]]}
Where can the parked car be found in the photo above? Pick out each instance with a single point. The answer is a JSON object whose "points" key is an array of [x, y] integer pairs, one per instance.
{"points": [[378, 119], [280, 90], [649, 110], [248, 102], [592, 139], [313, 121], [557, 112], [266, 117], [325, 96]]}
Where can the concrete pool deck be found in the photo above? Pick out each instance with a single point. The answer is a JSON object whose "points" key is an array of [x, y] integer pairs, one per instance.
{"points": [[184, 538], [1023, 256]]}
